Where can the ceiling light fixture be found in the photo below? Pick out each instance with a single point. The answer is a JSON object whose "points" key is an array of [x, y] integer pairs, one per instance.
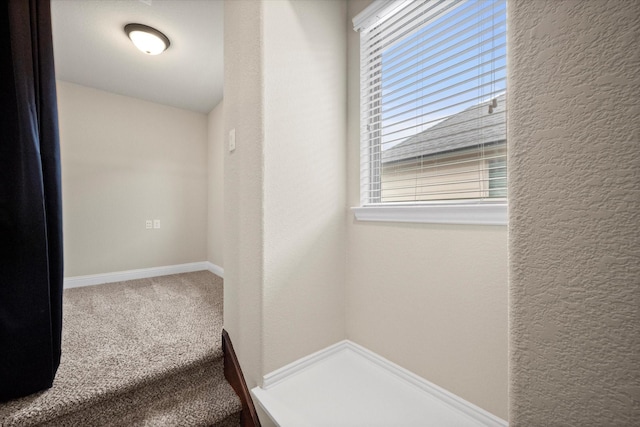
{"points": [[147, 39]]}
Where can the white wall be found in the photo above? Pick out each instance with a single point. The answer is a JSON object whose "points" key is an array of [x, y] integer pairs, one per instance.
{"points": [[304, 176], [284, 184], [432, 298], [125, 160], [243, 184], [574, 155], [215, 185]]}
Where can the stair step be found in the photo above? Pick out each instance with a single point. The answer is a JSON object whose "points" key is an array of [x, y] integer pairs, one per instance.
{"points": [[157, 340], [197, 397]]}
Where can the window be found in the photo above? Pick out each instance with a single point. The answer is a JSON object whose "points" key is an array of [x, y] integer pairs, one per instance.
{"points": [[433, 106], [498, 177]]}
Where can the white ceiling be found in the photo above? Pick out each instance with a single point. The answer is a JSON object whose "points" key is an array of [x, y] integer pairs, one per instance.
{"points": [[92, 49]]}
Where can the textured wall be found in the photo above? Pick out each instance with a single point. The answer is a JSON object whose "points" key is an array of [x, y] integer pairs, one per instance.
{"points": [[124, 161], [432, 298], [215, 185], [285, 92], [574, 161], [243, 111], [304, 178]]}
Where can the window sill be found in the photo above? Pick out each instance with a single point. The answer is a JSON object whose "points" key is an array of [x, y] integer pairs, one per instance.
{"points": [[475, 213]]}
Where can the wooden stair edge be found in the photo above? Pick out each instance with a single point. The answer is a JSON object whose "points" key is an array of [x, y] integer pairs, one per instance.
{"points": [[233, 374]]}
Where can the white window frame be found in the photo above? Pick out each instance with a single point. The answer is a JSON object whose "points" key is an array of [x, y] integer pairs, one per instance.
{"points": [[471, 212]]}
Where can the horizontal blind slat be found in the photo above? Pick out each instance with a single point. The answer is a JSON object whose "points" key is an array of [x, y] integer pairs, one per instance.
{"points": [[476, 32], [464, 101], [381, 41], [403, 23], [389, 94], [463, 83], [433, 60], [497, 29]]}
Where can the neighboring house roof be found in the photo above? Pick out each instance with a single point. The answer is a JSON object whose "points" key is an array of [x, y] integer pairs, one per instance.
{"points": [[454, 133]]}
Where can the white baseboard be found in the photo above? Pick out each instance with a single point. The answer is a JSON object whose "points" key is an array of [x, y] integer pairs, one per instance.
{"points": [[473, 411], [215, 269], [282, 374], [278, 408], [143, 273]]}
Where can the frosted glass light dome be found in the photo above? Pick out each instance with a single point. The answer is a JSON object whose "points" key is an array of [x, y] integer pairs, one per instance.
{"points": [[147, 39]]}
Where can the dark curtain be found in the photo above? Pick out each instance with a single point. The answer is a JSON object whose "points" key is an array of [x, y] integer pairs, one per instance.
{"points": [[31, 275]]}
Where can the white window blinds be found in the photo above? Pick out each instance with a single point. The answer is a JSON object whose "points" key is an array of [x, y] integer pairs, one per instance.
{"points": [[433, 81]]}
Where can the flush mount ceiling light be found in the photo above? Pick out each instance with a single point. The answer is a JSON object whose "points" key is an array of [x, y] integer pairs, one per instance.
{"points": [[147, 39]]}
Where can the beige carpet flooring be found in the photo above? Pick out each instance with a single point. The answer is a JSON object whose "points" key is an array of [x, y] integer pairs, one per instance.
{"points": [[138, 353]]}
